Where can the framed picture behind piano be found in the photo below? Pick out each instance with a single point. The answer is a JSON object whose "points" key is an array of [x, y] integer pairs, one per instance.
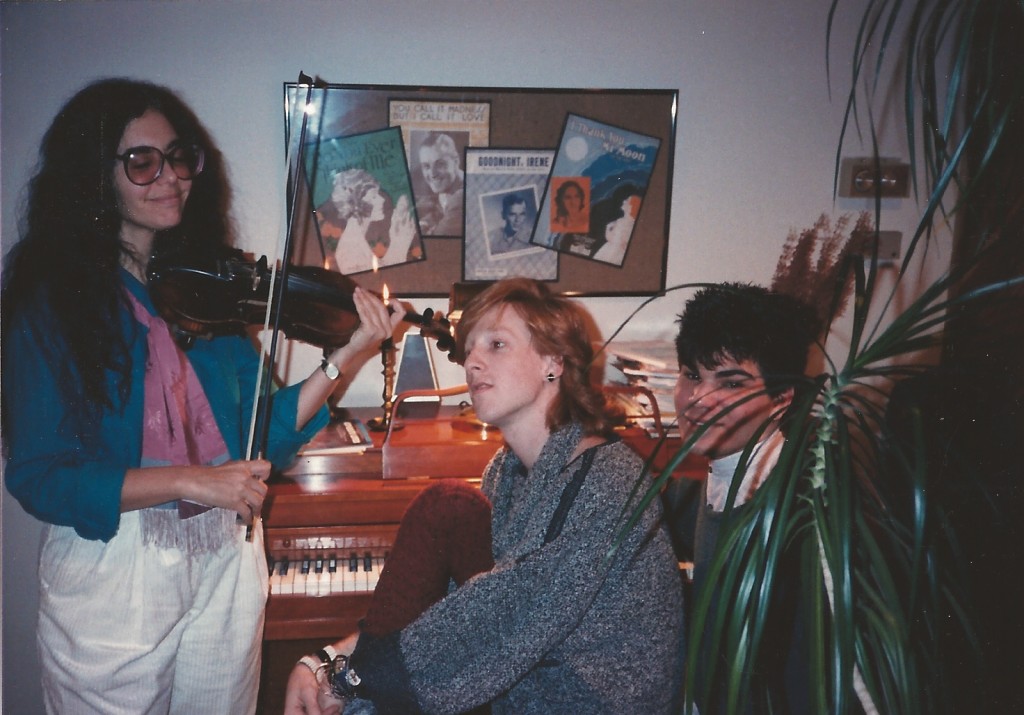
{"points": [[443, 130]]}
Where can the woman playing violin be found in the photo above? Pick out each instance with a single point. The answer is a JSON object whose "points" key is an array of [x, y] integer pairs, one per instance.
{"points": [[130, 450]]}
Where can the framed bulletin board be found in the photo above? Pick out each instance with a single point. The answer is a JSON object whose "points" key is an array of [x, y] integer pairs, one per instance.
{"points": [[422, 187]]}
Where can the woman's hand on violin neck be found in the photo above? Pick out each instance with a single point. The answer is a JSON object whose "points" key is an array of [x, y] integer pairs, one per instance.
{"points": [[237, 485], [376, 324]]}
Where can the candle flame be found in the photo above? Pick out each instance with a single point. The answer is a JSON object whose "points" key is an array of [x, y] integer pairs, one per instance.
{"points": [[375, 263], [386, 294]]}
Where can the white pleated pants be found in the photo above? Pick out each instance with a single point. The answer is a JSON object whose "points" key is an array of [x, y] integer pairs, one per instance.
{"points": [[133, 630]]}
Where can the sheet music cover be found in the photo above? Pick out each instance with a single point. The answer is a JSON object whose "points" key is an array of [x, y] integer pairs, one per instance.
{"points": [[436, 133], [596, 190], [503, 193], [364, 202]]}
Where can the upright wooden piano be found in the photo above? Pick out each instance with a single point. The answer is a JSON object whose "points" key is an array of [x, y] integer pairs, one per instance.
{"points": [[332, 517]]}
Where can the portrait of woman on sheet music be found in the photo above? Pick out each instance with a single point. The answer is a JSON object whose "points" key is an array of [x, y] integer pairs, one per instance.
{"points": [[612, 224], [363, 228], [128, 447], [569, 209]]}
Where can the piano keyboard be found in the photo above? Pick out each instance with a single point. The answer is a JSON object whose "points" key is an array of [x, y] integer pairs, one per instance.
{"points": [[325, 568], [324, 565]]}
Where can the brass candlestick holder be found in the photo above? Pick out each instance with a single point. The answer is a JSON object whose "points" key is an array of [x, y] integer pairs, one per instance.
{"points": [[387, 358]]}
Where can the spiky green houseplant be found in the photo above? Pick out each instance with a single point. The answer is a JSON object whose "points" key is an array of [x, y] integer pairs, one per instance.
{"points": [[851, 502], [854, 497]]}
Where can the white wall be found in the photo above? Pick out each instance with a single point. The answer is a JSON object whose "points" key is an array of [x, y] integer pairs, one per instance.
{"points": [[756, 137]]}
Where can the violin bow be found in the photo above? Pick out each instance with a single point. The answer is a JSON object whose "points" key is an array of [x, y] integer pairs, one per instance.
{"points": [[260, 425]]}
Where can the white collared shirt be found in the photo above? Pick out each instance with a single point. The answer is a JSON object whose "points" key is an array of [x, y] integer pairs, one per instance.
{"points": [[721, 472]]}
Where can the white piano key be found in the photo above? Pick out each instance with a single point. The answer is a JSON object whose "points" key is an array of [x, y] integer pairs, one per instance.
{"points": [[323, 576], [365, 568], [286, 577], [352, 574], [374, 575], [302, 575], [337, 575]]}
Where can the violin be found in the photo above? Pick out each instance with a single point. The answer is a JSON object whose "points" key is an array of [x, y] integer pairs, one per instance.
{"points": [[228, 293]]}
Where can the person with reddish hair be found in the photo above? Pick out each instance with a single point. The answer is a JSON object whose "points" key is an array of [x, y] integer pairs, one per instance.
{"points": [[576, 613]]}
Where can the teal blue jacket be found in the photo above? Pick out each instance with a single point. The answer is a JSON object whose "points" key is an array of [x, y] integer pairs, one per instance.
{"points": [[65, 473]]}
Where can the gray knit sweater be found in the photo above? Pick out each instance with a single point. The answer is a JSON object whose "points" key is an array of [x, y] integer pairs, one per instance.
{"points": [[555, 627]]}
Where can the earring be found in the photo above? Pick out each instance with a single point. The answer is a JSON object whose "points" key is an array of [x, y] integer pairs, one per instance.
{"points": [[551, 377]]}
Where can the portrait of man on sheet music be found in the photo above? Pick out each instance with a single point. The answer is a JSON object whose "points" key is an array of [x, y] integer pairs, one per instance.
{"points": [[437, 133], [440, 185], [503, 193], [514, 222]]}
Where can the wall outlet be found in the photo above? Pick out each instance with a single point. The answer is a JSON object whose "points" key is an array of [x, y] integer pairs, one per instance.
{"points": [[862, 178]]}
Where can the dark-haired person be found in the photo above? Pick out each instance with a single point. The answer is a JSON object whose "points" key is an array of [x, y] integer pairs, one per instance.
{"points": [[555, 626], [743, 354], [129, 449]]}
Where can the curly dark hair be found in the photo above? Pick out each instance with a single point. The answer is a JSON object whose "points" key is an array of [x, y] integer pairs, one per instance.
{"points": [[62, 275], [558, 327], [748, 322]]}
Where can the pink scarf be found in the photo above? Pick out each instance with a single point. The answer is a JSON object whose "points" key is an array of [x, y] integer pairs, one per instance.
{"points": [[178, 428]]}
